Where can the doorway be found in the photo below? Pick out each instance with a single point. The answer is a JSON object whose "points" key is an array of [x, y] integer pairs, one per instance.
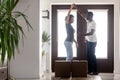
{"points": [[105, 31]]}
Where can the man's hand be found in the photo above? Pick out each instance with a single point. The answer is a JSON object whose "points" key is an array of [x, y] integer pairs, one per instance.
{"points": [[77, 45]]}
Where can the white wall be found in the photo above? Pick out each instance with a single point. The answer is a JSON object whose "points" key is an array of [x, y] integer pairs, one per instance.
{"points": [[116, 38], [26, 63], [45, 26]]}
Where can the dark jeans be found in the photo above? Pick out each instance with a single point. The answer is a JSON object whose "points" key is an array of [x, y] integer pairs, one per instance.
{"points": [[91, 57]]}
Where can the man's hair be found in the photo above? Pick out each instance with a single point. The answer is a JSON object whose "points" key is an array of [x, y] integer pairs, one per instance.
{"points": [[90, 13]]}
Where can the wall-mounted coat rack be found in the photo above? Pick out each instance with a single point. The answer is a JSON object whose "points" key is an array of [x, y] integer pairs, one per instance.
{"points": [[45, 14]]}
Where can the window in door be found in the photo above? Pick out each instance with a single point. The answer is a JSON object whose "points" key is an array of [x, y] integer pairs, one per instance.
{"points": [[101, 19]]}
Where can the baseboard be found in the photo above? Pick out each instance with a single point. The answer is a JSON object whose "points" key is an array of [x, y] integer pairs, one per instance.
{"points": [[116, 76], [26, 77], [46, 74]]}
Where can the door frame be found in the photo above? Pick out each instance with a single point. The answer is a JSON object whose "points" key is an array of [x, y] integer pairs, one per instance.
{"points": [[83, 56]]}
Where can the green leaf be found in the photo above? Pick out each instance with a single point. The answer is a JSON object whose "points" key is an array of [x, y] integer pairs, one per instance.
{"points": [[45, 37], [18, 14], [43, 52], [2, 4]]}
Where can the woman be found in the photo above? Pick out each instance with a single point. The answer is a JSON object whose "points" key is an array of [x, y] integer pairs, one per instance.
{"points": [[70, 34]]}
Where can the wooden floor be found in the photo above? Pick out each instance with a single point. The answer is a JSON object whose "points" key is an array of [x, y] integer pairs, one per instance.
{"points": [[73, 78], [89, 77]]}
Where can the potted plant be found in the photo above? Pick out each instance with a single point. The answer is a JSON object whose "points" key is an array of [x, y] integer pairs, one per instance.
{"points": [[45, 39], [10, 30]]}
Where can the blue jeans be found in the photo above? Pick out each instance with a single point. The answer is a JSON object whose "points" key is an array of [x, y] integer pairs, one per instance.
{"points": [[91, 57], [69, 50]]}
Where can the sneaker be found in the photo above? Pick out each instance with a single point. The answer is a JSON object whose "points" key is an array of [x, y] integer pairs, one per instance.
{"points": [[90, 73], [95, 73]]}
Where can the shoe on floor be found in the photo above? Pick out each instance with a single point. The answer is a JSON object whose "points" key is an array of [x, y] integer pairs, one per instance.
{"points": [[93, 73]]}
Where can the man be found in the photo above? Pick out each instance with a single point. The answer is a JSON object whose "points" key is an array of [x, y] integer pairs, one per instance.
{"points": [[91, 42]]}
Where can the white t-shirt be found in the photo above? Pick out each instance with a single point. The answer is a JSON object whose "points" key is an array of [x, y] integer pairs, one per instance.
{"points": [[91, 25]]}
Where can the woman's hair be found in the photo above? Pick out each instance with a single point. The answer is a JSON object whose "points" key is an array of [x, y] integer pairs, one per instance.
{"points": [[69, 17]]}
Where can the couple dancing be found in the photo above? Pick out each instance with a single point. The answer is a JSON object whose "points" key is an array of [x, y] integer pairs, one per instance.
{"points": [[90, 36]]}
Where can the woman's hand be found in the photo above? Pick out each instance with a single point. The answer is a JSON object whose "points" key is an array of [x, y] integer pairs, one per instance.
{"points": [[72, 6], [68, 15], [76, 44]]}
